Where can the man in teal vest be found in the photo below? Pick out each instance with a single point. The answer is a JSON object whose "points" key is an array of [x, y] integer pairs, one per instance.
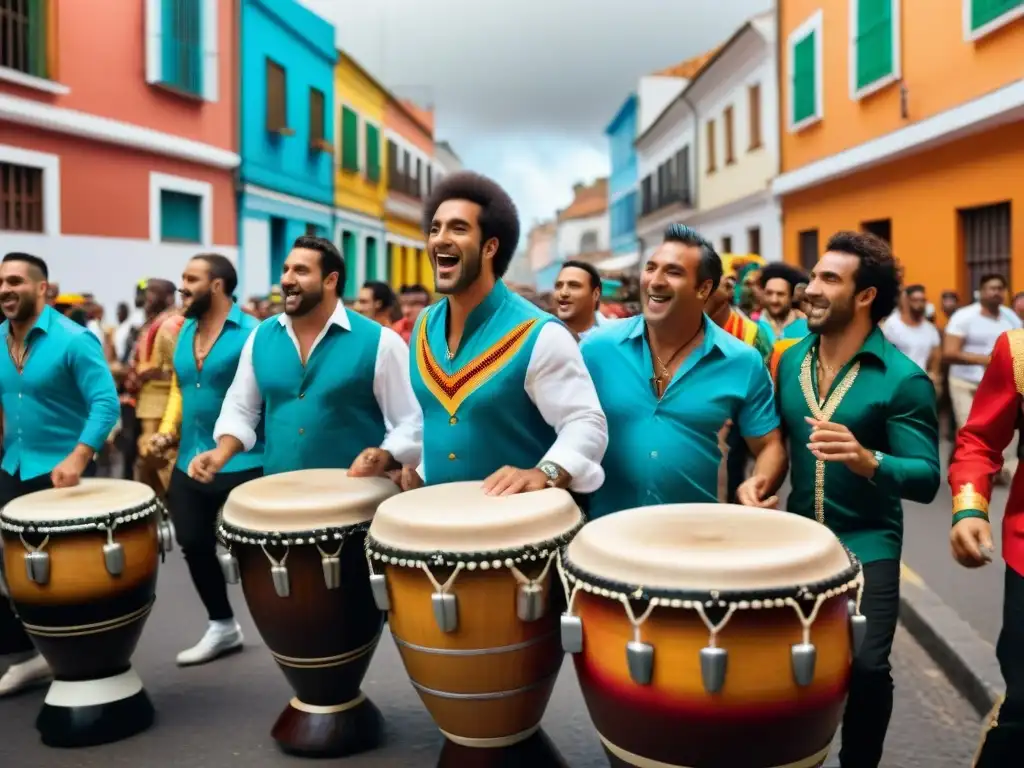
{"points": [[505, 395], [327, 382]]}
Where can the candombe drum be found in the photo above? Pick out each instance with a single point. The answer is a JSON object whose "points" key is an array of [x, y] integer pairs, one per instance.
{"points": [[81, 568], [469, 583], [295, 540], [712, 635]]}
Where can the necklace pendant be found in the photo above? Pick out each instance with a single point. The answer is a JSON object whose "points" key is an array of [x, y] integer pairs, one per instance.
{"points": [[449, 355]]}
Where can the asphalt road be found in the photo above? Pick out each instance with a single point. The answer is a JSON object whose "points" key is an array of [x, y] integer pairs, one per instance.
{"points": [[220, 715]]}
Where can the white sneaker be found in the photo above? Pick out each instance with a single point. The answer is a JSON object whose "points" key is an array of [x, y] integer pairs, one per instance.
{"points": [[27, 674], [221, 637]]}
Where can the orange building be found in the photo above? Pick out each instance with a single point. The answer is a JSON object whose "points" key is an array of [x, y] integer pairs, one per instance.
{"points": [[117, 148], [905, 118]]}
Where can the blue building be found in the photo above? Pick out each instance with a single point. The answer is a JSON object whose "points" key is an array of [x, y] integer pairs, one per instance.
{"points": [[622, 183], [286, 68]]}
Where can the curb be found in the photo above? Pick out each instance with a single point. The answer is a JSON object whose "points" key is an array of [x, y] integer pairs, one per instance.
{"points": [[967, 660]]}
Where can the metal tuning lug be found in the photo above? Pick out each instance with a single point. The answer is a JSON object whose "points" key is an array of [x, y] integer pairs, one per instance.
{"points": [[229, 567], [37, 567], [640, 660], [803, 656], [530, 603], [446, 611], [332, 571], [113, 555], [166, 534], [379, 587], [858, 627], [572, 633], [714, 663], [282, 584]]}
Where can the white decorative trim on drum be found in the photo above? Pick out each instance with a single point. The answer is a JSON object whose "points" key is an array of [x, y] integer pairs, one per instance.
{"points": [[493, 743], [92, 693], [638, 761]]}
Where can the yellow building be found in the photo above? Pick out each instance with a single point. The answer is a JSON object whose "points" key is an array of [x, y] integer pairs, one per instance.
{"points": [[360, 185]]}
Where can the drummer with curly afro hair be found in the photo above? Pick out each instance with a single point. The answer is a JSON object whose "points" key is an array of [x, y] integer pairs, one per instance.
{"points": [[781, 319]]}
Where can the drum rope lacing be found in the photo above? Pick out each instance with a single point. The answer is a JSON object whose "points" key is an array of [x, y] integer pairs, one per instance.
{"points": [[114, 519], [31, 549]]}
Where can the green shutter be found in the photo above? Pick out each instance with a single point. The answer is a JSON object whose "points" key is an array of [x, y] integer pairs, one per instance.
{"points": [[372, 153], [349, 139], [874, 41], [348, 253], [371, 258], [180, 217], [182, 45], [985, 11], [804, 79]]}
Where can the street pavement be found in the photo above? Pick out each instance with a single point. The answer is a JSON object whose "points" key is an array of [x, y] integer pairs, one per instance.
{"points": [[219, 715]]}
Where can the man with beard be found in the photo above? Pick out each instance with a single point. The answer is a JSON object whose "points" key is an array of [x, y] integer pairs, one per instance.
{"points": [[59, 405], [506, 398], [578, 297], [328, 382], [780, 319], [863, 434], [412, 299], [914, 336], [205, 359], [377, 301], [674, 387]]}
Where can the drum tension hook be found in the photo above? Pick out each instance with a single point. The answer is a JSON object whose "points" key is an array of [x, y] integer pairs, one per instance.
{"points": [[229, 567], [379, 587], [530, 603], [858, 626], [113, 554], [332, 566], [572, 633], [446, 611], [714, 663], [279, 573], [804, 657], [37, 562], [640, 660], [165, 532]]}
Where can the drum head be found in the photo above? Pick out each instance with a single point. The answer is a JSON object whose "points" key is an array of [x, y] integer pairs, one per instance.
{"points": [[708, 547], [306, 500], [461, 518], [92, 499]]}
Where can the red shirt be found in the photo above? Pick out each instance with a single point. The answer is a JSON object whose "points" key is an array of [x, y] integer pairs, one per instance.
{"points": [[403, 328]]}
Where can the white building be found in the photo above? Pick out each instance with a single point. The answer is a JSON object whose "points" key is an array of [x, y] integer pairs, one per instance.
{"points": [[583, 230], [735, 99], [445, 160]]}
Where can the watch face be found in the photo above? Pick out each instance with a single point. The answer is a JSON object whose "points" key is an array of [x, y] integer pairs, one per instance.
{"points": [[549, 470]]}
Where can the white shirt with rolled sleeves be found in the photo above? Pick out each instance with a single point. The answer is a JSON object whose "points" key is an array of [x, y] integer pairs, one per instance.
{"points": [[559, 384], [392, 389]]}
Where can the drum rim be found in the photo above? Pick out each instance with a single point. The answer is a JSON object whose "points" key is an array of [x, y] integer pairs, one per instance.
{"points": [[109, 520], [613, 588], [236, 534], [484, 559]]}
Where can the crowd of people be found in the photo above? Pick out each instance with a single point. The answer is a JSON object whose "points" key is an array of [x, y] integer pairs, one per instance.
{"points": [[733, 375]]}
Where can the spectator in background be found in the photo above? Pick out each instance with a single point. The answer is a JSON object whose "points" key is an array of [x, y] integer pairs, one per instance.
{"points": [[913, 335], [377, 301], [413, 299], [780, 320], [950, 303], [1018, 305], [577, 297]]}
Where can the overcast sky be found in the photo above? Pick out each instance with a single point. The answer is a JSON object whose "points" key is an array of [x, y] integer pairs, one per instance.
{"points": [[523, 90]]}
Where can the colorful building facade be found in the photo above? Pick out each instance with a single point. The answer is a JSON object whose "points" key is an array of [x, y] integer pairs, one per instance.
{"points": [[409, 178], [904, 118], [361, 188], [287, 135], [622, 182], [117, 160]]}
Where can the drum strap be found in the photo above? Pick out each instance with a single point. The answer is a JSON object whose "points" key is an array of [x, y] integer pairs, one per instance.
{"points": [[438, 587], [526, 581]]}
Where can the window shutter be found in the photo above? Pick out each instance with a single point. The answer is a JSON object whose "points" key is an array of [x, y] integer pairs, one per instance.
{"points": [[154, 38], [349, 139], [985, 11], [210, 69], [804, 76], [277, 113], [372, 153], [874, 41]]}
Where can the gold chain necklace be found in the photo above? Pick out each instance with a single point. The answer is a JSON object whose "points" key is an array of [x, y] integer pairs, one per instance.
{"points": [[18, 354], [659, 378]]}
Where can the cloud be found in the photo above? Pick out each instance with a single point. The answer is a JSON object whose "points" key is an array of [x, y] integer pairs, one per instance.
{"points": [[524, 90]]}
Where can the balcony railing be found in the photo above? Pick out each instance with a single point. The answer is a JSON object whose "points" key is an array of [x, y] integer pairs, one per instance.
{"points": [[406, 184], [662, 199]]}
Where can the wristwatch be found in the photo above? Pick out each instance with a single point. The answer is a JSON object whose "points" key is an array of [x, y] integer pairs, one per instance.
{"points": [[552, 472]]}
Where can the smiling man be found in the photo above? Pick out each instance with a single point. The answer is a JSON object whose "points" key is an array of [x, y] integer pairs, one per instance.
{"points": [[863, 434], [506, 398], [578, 296], [674, 385]]}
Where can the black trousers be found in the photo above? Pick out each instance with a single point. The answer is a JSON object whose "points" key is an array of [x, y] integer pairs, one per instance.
{"points": [[1003, 744], [194, 507], [869, 704], [12, 635]]}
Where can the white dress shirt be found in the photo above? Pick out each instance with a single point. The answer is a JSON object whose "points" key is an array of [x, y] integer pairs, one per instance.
{"points": [[559, 384], [392, 388]]}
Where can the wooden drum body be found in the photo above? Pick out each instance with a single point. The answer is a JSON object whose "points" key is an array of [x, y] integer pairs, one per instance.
{"points": [[81, 569], [297, 541], [469, 583], [712, 635]]}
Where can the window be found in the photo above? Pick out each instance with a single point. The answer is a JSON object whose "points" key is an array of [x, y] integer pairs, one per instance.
{"points": [[21, 198], [406, 173], [180, 217], [646, 196], [370, 259], [727, 244], [981, 17], [348, 255], [393, 180], [754, 111], [430, 179], [683, 174], [805, 74], [349, 139], [986, 237], [25, 37], [181, 45], [277, 99], [874, 45], [711, 145], [588, 242], [730, 158], [317, 120], [754, 240], [808, 248], [372, 153], [880, 228], [414, 188]]}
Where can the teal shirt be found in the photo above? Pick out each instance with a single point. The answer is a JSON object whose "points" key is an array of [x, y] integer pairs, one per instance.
{"points": [[795, 330], [673, 450], [64, 396], [477, 415], [324, 413], [203, 391], [888, 403]]}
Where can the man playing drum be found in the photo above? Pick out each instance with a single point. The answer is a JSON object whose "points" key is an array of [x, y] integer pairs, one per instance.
{"points": [[863, 434], [505, 395], [674, 385], [327, 382], [59, 405], [209, 345]]}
